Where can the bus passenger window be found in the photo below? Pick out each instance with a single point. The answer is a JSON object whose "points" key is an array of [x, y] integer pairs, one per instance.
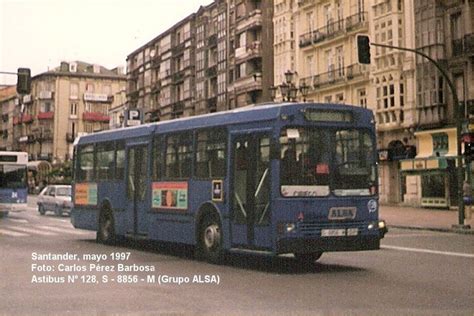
{"points": [[85, 169], [210, 155], [105, 161], [120, 161], [179, 156], [157, 159]]}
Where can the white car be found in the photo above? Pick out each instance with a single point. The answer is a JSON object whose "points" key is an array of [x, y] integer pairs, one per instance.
{"points": [[55, 198]]}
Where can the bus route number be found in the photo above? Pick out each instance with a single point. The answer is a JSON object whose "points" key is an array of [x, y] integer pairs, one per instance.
{"points": [[122, 256]]}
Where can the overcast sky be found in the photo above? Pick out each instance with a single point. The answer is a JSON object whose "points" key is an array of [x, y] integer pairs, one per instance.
{"points": [[39, 34]]}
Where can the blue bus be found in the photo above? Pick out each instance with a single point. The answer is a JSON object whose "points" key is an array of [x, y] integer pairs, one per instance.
{"points": [[279, 178], [13, 181]]}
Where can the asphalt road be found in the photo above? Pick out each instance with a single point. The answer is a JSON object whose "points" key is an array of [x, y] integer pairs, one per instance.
{"points": [[415, 272]]}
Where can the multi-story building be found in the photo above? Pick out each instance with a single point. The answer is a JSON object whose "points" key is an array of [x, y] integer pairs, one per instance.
{"points": [[445, 32], [317, 40], [210, 61], [391, 91], [8, 102], [72, 99]]}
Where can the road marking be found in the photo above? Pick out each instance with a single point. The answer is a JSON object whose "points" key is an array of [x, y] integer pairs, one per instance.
{"points": [[11, 233], [446, 253], [418, 235], [32, 231], [18, 220], [64, 230]]}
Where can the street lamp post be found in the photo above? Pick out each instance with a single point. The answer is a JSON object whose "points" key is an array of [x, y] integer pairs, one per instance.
{"points": [[289, 90]]}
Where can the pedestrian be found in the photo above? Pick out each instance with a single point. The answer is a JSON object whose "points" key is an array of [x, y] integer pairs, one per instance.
{"points": [[467, 198]]}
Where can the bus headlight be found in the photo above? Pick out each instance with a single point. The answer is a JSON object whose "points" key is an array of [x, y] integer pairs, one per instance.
{"points": [[290, 227], [382, 228], [286, 228]]}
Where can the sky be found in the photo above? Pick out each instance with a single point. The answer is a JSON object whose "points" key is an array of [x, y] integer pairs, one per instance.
{"points": [[39, 34]]}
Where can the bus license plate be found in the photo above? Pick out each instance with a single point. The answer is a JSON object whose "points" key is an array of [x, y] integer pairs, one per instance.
{"points": [[339, 232], [352, 231], [333, 232]]}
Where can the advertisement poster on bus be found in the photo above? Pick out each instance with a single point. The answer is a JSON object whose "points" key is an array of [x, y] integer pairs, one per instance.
{"points": [[170, 195], [86, 193]]}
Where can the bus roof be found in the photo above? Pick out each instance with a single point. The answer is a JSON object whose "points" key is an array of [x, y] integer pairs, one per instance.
{"points": [[247, 114]]}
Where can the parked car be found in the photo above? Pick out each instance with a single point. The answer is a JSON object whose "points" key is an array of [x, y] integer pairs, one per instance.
{"points": [[55, 198]]}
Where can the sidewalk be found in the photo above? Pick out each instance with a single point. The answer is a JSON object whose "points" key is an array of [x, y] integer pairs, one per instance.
{"points": [[423, 218]]}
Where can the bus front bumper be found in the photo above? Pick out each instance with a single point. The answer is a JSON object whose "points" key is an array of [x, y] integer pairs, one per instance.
{"points": [[327, 244]]}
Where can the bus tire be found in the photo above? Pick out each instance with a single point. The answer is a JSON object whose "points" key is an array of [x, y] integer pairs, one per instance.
{"points": [[210, 240], [308, 258], [41, 209], [106, 232]]}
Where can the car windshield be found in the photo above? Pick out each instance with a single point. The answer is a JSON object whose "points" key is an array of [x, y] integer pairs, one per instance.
{"points": [[63, 191], [12, 176], [315, 162]]}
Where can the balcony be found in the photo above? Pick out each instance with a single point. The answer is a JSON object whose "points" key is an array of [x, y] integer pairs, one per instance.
{"points": [[305, 3], [356, 21], [178, 76], [326, 32], [178, 48], [46, 135], [331, 77], [25, 118], [45, 116], [252, 50], [177, 110], [95, 117], [248, 83], [212, 104], [211, 71], [212, 40], [356, 70], [252, 20], [463, 46]]}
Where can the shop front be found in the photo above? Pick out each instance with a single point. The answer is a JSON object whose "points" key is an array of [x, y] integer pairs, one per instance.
{"points": [[430, 179]]}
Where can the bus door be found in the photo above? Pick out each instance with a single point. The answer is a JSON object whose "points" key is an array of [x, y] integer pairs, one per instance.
{"points": [[137, 179], [250, 178]]}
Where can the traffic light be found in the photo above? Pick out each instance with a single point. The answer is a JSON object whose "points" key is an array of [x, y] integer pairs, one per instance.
{"points": [[468, 148], [363, 49], [23, 83]]}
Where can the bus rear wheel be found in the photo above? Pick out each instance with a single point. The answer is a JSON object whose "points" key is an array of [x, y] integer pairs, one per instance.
{"points": [[210, 240], [106, 232], [308, 258]]}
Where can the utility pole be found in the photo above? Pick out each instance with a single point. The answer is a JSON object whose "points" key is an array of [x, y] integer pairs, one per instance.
{"points": [[458, 119]]}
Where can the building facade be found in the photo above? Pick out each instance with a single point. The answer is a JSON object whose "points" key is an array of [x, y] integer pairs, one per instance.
{"points": [[445, 32], [72, 99], [210, 61], [8, 103]]}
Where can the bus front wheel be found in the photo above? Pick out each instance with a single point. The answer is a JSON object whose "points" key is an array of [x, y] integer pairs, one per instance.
{"points": [[210, 240], [308, 258], [106, 232]]}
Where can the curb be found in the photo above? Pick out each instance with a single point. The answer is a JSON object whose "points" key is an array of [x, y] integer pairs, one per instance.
{"points": [[436, 229]]}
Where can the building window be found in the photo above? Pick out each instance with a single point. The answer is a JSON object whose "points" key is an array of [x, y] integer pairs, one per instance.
{"points": [[74, 92], [362, 96], [73, 108]]}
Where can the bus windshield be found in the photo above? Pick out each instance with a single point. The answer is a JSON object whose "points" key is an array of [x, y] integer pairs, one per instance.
{"points": [[316, 162], [12, 176]]}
